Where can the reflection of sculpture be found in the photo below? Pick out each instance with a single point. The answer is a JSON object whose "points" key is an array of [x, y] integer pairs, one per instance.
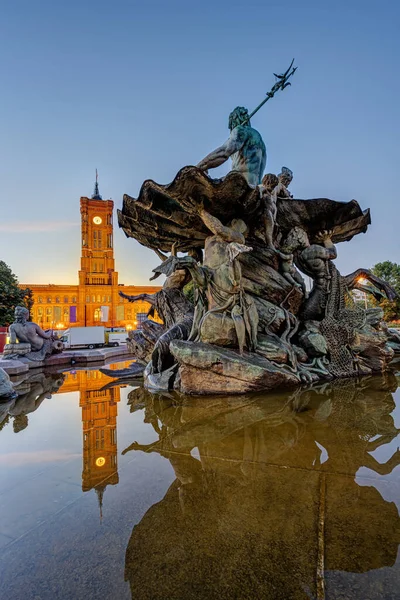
{"points": [[252, 298], [35, 343], [30, 394], [7, 391], [274, 496]]}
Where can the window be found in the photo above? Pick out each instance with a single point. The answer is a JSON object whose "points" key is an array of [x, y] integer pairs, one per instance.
{"points": [[57, 299], [99, 439], [97, 314], [48, 299], [99, 298], [65, 299], [109, 240], [40, 312], [113, 437], [49, 311], [74, 299], [93, 298], [104, 298], [99, 237], [66, 314], [94, 267], [101, 267], [94, 239], [109, 298], [87, 299], [40, 299]]}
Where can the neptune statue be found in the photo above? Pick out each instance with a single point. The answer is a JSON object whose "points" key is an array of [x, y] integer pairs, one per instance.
{"points": [[245, 146]]}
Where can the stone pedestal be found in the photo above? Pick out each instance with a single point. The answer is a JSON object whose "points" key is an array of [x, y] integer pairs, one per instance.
{"points": [[20, 349]]}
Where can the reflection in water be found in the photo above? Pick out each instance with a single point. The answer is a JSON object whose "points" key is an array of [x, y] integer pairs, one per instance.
{"points": [[32, 389], [272, 504], [99, 405], [99, 418]]}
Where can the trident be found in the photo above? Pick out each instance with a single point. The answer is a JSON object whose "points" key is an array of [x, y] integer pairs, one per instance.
{"points": [[281, 83]]}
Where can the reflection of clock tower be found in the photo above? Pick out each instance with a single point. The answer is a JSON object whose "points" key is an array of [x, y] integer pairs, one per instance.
{"points": [[97, 259], [99, 421]]}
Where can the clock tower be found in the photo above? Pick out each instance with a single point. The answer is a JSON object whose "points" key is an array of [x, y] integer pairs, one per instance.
{"points": [[98, 280]]}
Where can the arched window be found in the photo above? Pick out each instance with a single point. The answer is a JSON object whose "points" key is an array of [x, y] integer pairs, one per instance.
{"points": [[40, 299], [65, 299], [97, 314], [57, 299], [48, 299]]}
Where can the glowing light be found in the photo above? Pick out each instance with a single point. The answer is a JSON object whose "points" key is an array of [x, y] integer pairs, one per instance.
{"points": [[129, 327], [60, 326], [362, 280], [101, 461]]}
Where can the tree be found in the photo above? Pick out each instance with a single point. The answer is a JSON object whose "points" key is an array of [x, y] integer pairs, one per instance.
{"points": [[389, 272], [11, 294]]}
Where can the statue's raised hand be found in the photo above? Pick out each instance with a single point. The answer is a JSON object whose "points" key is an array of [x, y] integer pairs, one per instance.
{"points": [[323, 235]]}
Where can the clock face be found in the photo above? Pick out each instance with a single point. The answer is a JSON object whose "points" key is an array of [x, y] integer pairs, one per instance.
{"points": [[101, 461], [97, 220]]}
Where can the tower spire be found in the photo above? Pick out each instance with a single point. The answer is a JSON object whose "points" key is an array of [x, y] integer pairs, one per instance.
{"points": [[100, 493], [96, 194]]}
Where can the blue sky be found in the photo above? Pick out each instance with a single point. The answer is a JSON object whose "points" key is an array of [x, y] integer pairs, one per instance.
{"points": [[140, 89]]}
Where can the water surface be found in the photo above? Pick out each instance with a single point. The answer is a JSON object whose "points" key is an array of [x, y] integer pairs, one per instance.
{"points": [[112, 492]]}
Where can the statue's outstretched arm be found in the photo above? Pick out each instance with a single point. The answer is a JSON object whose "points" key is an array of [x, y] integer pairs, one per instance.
{"points": [[139, 298], [215, 226], [220, 155], [46, 335], [382, 468], [197, 272]]}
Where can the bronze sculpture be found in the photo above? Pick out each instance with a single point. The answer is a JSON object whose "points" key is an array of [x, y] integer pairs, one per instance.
{"points": [[253, 324]]}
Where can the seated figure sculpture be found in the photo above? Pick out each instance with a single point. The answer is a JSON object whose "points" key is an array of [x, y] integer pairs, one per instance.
{"points": [[39, 343], [285, 178], [226, 315], [245, 146], [269, 190]]}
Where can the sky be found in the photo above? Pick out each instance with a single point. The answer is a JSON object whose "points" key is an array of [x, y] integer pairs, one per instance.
{"points": [[139, 89]]}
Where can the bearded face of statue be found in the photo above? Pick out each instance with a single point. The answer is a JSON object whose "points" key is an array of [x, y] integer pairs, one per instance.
{"points": [[238, 116], [21, 314]]}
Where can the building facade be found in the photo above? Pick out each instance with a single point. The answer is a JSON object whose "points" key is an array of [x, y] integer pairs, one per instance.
{"points": [[95, 299]]}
